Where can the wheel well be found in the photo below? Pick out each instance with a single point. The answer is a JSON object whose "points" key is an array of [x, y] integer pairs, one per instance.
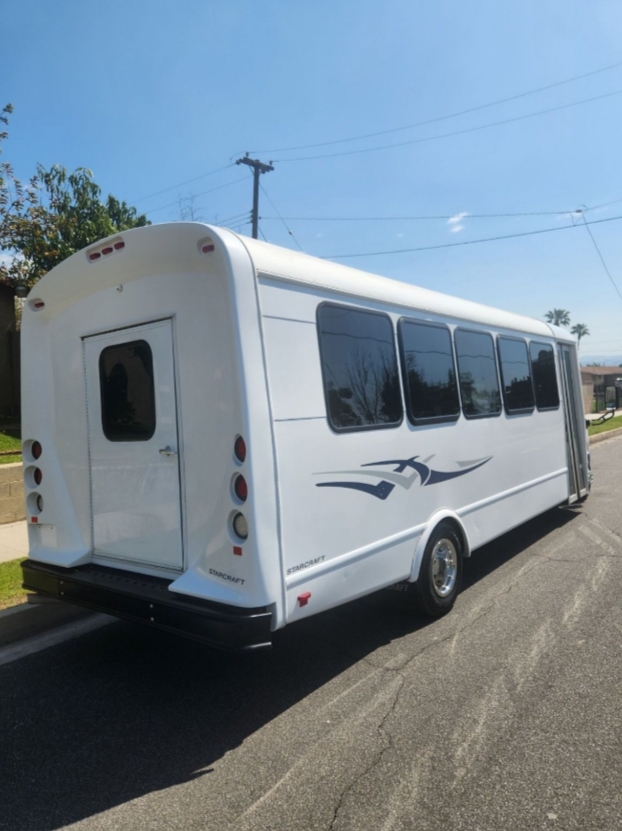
{"points": [[466, 551]]}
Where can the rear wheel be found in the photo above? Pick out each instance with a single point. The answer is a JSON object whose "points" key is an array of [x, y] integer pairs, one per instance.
{"points": [[440, 574]]}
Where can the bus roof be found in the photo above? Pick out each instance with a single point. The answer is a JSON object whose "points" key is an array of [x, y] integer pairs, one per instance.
{"points": [[293, 266]]}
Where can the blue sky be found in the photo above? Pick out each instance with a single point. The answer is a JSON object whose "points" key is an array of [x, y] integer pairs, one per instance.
{"points": [[151, 94]]}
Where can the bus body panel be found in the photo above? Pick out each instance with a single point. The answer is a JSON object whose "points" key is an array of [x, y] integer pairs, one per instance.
{"points": [[331, 515]]}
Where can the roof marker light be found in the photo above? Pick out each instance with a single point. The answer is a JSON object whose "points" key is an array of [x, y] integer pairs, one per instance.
{"points": [[119, 245], [207, 249], [95, 255], [107, 250], [304, 598]]}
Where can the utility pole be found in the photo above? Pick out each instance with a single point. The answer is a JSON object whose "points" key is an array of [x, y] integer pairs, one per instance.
{"points": [[258, 169]]}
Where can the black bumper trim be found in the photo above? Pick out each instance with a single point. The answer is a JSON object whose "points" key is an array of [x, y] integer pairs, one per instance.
{"points": [[142, 599]]}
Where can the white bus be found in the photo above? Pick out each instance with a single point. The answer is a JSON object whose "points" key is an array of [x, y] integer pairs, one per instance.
{"points": [[222, 436]]}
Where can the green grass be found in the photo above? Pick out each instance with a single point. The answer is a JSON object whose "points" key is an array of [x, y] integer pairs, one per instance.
{"points": [[611, 424], [9, 440], [11, 591]]}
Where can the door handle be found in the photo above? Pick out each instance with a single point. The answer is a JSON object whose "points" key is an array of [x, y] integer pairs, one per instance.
{"points": [[167, 451]]}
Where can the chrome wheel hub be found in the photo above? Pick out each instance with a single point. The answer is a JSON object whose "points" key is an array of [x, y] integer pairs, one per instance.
{"points": [[444, 566]]}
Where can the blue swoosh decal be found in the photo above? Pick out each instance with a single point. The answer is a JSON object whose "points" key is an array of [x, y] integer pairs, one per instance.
{"points": [[440, 476], [381, 490]]}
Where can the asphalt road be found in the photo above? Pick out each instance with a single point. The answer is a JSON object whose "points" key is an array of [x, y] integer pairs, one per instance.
{"points": [[504, 715]]}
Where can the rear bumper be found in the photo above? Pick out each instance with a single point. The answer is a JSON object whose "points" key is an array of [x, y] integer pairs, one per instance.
{"points": [[142, 599]]}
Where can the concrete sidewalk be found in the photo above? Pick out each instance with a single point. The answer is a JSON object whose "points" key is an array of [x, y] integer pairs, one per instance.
{"points": [[13, 541]]}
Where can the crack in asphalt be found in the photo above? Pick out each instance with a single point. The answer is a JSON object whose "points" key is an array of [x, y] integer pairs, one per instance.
{"points": [[381, 728], [384, 734]]}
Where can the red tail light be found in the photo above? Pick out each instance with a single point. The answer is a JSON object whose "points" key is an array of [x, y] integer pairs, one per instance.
{"points": [[37, 476], [36, 450], [239, 448], [241, 488]]}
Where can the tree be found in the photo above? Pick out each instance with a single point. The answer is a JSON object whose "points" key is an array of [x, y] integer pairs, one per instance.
{"points": [[56, 214], [580, 330], [559, 317]]}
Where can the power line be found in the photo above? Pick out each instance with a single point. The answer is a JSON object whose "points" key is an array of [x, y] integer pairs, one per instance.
{"points": [[602, 259], [289, 231], [423, 216], [203, 193], [455, 132], [180, 184], [444, 117], [467, 242], [244, 215]]}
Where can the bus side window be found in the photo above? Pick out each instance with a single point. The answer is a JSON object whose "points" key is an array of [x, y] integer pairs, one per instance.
{"points": [[429, 372], [515, 375], [359, 368], [544, 376], [477, 370]]}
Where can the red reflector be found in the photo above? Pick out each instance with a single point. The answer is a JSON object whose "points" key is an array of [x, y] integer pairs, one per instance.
{"points": [[303, 599], [107, 250], [207, 249], [241, 488], [237, 550], [34, 519], [95, 255], [36, 450], [119, 245], [239, 448]]}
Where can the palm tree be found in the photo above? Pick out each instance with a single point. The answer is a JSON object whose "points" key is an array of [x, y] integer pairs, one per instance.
{"points": [[580, 330], [559, 317]]}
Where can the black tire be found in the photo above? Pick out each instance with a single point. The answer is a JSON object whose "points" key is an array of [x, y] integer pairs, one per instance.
{"points": [[435, 593]]}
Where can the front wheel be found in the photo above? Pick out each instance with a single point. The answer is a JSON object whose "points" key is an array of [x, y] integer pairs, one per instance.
{"points": [[440, 574]]}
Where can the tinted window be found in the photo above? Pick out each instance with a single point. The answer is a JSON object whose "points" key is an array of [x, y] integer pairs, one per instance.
{"points": [[544, 376], [515, 375], [429, 371], [126, 381], [477, 369], [359, 368]]}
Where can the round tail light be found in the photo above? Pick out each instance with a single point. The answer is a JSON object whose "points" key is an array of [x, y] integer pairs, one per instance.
{"points": [[36, 450], [240, 526], [239, 449], [39, 502], [37, 476], [241, 488]]}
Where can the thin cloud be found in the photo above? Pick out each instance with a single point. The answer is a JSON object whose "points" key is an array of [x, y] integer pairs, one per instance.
{"points": [[455, 222]]}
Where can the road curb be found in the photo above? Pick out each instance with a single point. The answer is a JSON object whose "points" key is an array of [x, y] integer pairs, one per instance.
{"points": [[608, 434], [29, 619]]}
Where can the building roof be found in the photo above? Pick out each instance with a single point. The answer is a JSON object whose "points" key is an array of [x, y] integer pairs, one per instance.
{"points": [[601, 370]]}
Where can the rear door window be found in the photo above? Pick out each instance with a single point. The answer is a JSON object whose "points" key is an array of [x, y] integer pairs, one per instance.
{"points": [[127, 391]]}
